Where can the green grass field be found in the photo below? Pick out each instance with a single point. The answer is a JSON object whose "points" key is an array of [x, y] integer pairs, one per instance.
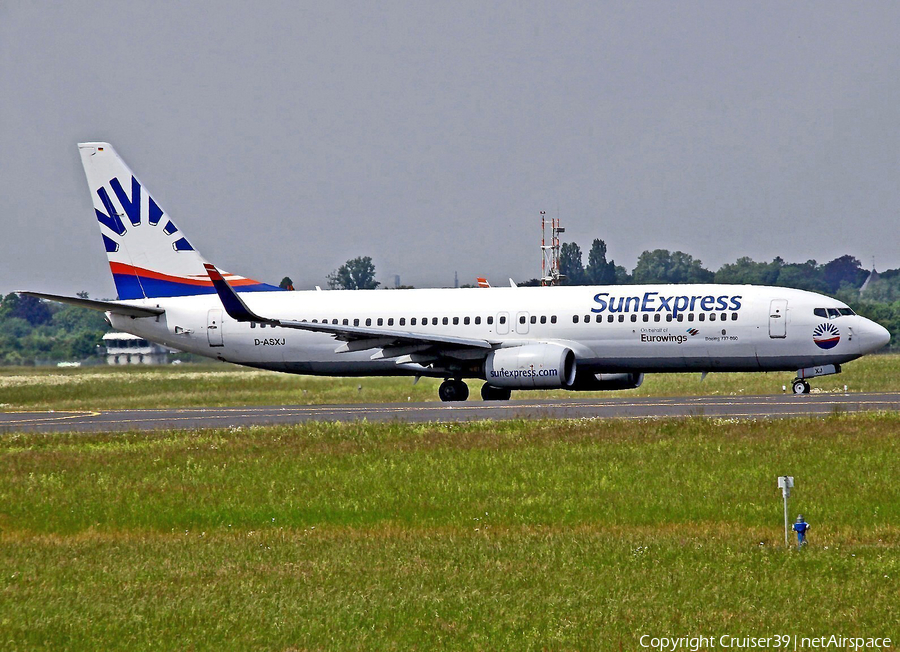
{"points": [[496, 536], [227, 385]]}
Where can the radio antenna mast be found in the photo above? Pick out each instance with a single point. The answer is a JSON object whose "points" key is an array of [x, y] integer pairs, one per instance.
{"points": [[550, 252]]}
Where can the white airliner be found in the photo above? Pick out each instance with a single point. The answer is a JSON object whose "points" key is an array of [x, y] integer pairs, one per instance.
{"points": [[575, 338]]}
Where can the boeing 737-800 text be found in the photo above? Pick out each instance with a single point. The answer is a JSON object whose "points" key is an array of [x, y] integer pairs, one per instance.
{"points": [[575, 338]]}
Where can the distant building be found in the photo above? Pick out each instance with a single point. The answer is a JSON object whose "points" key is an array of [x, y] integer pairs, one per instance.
{"points": [[125, 348]]}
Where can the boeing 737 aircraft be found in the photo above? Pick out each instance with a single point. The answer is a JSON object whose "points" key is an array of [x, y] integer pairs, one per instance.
{"points": [[575, 338]]}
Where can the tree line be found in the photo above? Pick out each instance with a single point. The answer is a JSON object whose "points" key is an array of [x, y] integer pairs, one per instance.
{"points": [[664, 266], [33, 330]]}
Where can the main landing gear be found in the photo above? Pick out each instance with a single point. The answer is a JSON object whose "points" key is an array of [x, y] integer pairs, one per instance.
{"points": [[491, 393], [800, 386], [453, 389]]}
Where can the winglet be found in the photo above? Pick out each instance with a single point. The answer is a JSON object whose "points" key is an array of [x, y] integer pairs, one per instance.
{"points": [[234, 305]]}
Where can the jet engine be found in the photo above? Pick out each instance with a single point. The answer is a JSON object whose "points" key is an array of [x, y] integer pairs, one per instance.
{"points": [[531, 366]]}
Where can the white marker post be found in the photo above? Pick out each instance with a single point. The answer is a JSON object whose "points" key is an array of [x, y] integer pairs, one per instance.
{"points": [[785, 482]]}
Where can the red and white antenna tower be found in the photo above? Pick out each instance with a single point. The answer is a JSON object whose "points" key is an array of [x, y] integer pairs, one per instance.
{"points": [[550, 252]]}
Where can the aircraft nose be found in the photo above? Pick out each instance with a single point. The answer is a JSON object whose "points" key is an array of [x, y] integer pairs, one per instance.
{"points": [[873, 336]]}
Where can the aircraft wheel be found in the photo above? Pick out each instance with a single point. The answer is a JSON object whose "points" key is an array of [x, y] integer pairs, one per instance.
{"points": [[800, 387], [453, 390], [491, 393]]}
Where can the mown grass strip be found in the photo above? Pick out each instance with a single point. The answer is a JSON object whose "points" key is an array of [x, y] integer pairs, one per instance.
{"points": [[225, 385], [514, 535]]}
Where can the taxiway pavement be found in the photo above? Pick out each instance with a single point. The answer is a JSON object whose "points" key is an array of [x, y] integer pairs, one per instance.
{"points": [[739, 407]]}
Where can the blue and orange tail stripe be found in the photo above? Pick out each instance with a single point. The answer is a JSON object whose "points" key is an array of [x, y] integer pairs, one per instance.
{"points": [[138, 283]]}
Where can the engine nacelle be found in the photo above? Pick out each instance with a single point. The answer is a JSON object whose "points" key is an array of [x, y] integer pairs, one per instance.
{"points": [[588, 382], [531, 366]]}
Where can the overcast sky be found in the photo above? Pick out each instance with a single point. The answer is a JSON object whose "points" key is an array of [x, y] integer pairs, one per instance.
{"points": [[286, 137]]}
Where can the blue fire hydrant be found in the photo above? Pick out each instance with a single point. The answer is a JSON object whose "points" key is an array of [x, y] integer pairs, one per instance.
{"points": [[800, 527]]}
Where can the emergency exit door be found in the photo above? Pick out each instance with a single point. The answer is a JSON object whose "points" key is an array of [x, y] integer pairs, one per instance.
{"points": [[778, 318], [214, 328]]}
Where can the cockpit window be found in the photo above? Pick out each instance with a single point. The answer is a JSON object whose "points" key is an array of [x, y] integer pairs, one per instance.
{"points": [[846, 311], [833, 312], [820, 312]]}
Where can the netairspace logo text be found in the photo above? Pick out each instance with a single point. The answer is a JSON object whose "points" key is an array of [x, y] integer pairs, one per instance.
{"points": [[779, 641]]}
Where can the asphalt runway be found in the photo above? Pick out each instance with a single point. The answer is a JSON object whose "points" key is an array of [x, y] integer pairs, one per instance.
{"points": [[739, 407]]}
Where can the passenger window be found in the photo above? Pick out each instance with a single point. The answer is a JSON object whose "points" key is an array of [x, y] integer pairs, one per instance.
{"points": [[368, 321], [701, 317], [574, 319], [478, 321], [734, 316], [712, 316], [669, 317], [656, 317], [599, 319], [490, 320], [691, 317], [434, 321], [380, 321], [533, 319], [646, 317], [390, 321], [466, 321], [610, 318], [356, 322], [403, 321], [445, 321], [552, 319], [502, 319], [543, 319], [621, 318], [680, 317], [521, 319], [456, 321], [634, 318], [253, 324], [334, 321], [412, 322], [820, 312]]}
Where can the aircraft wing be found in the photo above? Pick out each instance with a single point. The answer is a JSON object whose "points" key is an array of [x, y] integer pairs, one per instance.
{"points": [[103, 306], [392, 343]]}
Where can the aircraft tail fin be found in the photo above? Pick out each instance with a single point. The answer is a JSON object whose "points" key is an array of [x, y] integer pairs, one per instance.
{"points": [[149, 256]]}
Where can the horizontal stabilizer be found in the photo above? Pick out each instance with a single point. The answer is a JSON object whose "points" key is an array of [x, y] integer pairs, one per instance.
{"points": [[103, 306]]}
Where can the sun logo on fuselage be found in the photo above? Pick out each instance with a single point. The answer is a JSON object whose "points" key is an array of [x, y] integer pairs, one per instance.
{"points": [[826, 336]]}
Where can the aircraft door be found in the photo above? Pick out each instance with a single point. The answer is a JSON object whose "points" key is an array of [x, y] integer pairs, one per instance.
{"points": [[522, 323], [502, 323], [778, 318], [214, 328]]}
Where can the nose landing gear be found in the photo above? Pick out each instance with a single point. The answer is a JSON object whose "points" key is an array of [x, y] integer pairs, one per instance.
{"points": [[799, 384], [452, 390]]}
